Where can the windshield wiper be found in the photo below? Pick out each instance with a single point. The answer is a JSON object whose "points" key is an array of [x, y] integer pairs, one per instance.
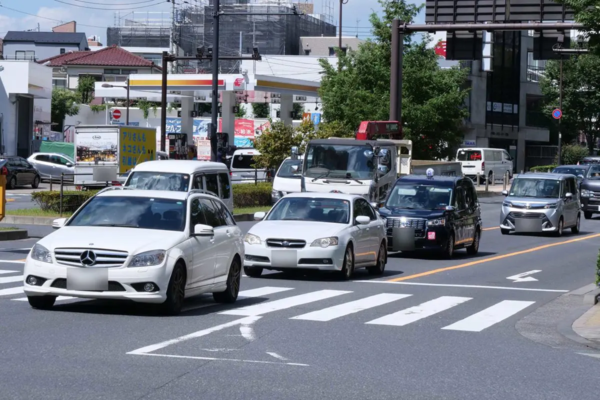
{"points": [[321, 176], [356, 180], [119, 225]]}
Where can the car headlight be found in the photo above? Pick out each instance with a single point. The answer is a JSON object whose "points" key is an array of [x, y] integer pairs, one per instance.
{"points": [[436, 222], [252, 239], [325, 242], [40, 253], [148, 258], [276, 194], [586, 193], [553, 205], [507, 204]]}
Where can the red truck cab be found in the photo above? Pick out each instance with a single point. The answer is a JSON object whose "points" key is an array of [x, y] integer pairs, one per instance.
{"points": [[372, 130]]}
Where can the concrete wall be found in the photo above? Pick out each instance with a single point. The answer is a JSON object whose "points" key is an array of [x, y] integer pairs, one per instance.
{"points": [[42, 51], [319, 45]]}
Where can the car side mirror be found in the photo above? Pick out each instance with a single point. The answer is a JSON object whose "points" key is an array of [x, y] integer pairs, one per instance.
{"points": [[59, 223], [203, 230], [450, 208], [362, 220], [259, 216], [569, 195], [69, 164], [580, 176], [374, 205], [505, 193]]}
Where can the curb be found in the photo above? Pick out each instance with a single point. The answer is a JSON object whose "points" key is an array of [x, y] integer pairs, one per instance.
{"points": [[18, 234], [47, 221], [570, 327]]}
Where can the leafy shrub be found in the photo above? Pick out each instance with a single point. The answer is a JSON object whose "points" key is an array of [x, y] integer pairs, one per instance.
{"points": [[542, 168], [598, 270], [72, 200], [251, 195], [571, 154]]}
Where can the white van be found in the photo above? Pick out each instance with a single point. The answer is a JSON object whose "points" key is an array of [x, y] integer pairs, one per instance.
{"points": [[183, 176], [485, 162], [242, 167], [288, 179]]}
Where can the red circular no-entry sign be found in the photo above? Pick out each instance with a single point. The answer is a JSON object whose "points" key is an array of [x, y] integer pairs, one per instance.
{"points": [[116, 114]]}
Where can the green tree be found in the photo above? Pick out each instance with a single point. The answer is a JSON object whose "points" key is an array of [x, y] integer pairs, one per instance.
{"points": [[571, 154], [261, 110], [63, 103], [587, 12], [432, 98], [146, 106], [85, 88], [241, 111], [275, 144], [298, 109], [580, 102]]}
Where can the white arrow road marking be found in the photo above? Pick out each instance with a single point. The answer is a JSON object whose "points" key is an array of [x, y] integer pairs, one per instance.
{"points": [[523, 277], [277, 356], [247, 332]]}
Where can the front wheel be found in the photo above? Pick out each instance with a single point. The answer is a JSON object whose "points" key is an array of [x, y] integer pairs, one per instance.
{"points": [[559, 231], [474, 248], [41, 302], [379, 268], [175, 292], [575, 229], [12, 183], [234, 279], [504, 231], [448, 250], [348, 268], [253, 272], [587, 215], [36, 182]]}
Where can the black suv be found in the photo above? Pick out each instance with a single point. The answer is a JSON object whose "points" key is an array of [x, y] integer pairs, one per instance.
{"points": [[432, 213]]}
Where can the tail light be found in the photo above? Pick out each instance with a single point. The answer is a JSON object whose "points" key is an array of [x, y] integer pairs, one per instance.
{"points": [[483, 165], [115, 183], [4, 171]]}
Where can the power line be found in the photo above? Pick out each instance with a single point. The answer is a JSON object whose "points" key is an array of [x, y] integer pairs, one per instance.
{"points": [[110, 9], [110, 4]]}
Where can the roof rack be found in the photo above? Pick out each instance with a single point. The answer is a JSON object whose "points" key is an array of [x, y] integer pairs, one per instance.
{"points": [[202, 191]]}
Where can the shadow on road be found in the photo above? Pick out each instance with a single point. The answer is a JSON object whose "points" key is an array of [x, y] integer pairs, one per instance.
{"points": [[459, 255]]}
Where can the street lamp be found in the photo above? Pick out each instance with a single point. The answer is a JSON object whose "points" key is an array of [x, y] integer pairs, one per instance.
{"points": [[107, 85], [342, 2]]}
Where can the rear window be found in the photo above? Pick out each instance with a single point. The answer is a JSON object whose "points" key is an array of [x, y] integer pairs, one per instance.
{"points": [[469, 155], [169, 181], [245, 161]]}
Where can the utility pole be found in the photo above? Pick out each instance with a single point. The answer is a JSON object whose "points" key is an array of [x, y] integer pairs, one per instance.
{"points": [[215, 82], [342, 2]]}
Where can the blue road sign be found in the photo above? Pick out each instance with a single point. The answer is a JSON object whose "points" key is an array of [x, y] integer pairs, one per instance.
{"points": [[557, 114]]}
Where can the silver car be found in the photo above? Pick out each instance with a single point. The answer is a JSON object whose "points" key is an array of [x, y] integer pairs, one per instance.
{"points": [[52, 165], [538, 203]]}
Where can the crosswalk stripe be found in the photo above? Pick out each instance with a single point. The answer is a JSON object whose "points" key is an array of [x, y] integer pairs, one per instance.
{"points": [[59, 298], [263, 291], [282, 304], [490, 316], [327, 314], [10, 279], [5, 271], [11, 291], [424, 310]]}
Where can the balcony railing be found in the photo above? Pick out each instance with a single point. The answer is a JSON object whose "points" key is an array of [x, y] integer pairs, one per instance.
{"points": [[19, 58], [535, 73]]}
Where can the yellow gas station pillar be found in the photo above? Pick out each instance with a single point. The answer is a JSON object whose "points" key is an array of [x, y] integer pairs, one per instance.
{"points": [[2, 195]]}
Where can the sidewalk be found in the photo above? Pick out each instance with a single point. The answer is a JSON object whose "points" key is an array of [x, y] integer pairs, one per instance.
{"points": [[588, 325]]}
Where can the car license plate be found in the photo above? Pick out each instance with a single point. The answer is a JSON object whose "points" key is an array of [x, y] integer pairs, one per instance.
{"points": [[431, 235], [284, 258], [87, 279]]}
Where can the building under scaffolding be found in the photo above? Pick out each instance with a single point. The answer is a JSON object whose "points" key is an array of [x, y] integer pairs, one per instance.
{"points": [[191, 26]]}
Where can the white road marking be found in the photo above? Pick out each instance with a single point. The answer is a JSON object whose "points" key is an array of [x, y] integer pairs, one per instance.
{"points": [[490, 316], [467, 286], [222, 359], [282, 304], [523, 277], [327, 314], [11, 262], [247, 332], [204, 332], [11, 279], [59, 298], [424, 310], [11, 291], [263, 291], [5, 271], [277, 356], [590, 355]]}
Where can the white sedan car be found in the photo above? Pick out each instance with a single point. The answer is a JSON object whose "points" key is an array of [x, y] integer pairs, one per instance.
{"points": [[317, 231], [139, 245]]}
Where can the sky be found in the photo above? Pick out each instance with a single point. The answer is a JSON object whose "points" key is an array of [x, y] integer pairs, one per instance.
{"points": [[94, 16]]}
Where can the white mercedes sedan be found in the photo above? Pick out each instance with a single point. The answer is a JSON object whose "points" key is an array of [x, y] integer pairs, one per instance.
{"points": [[317, 231]]}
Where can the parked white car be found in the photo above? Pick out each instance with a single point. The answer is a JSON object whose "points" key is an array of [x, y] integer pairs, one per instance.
{"points": [[317, 231], [488, 163], [146, 246]]}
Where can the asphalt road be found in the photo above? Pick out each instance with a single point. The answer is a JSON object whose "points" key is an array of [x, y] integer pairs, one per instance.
{"points": [[430, 329]]}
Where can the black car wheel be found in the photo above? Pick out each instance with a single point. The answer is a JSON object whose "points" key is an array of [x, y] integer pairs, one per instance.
{"points": [[587, 215], [36, 182], [559, 231], [575, 229], [379, 268], [41, 302], [12, 183], [234, 279], [175, 291], [448, 250], [348, 268], [253, 272], [504, 231], [474, 248]]}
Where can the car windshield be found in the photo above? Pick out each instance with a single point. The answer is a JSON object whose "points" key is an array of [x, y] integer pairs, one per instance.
{"points": [[132, 212], [417, 196], [590, 160], [286, 170], [570, 170], [339, 161], [469, 155], [535, 188], [594, 172], [308, 209], [245, 161], [173, 182]]}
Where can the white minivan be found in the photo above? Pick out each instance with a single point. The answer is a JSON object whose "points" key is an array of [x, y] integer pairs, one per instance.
{"points": [[288, 179], [183, 176], [242, 167], [488, 163]]}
